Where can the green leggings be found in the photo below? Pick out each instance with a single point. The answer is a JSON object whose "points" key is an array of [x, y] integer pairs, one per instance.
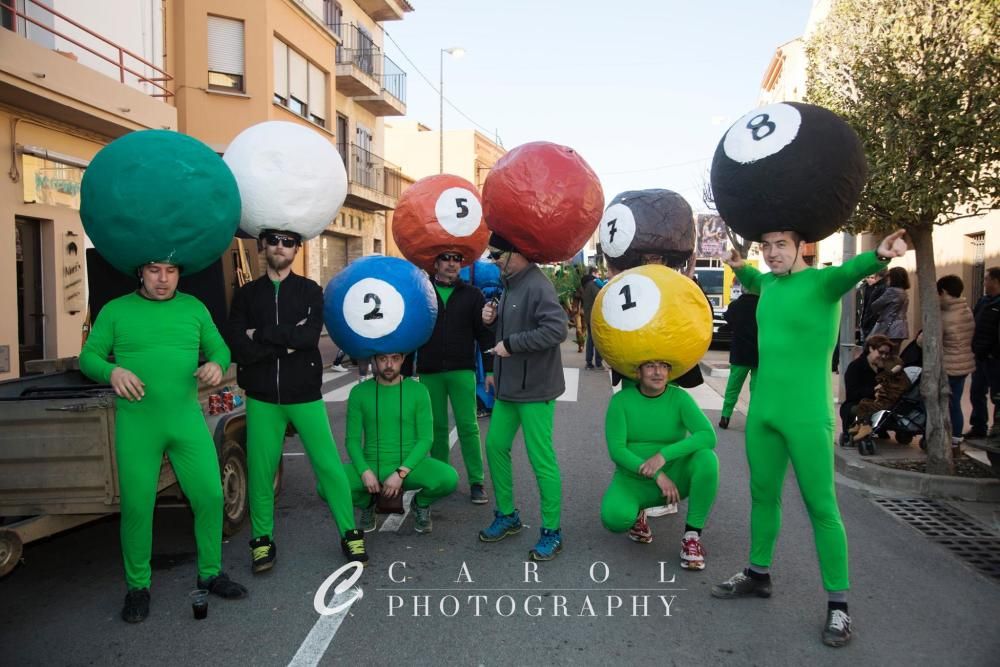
{"points": [[143, 434], [737, 376], [809, 446], [696, 477], [266, 424], [435, 480], [536, 421], [460, 387]]}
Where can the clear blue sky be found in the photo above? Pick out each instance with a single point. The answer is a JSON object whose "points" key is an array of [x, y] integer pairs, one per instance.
{"points": [[632, 85]]}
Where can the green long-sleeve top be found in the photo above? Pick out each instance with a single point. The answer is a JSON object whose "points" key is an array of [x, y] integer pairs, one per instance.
{"points": [[378, 415], [798, 317], [638, 426], [158, 341]]}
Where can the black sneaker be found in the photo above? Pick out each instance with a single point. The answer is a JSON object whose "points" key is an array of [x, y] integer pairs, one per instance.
{"points": [[263, 553], [478, 495], [136, 607], [223, 586], [353, 546], [837, 632], [723, 422], [740, 585]]}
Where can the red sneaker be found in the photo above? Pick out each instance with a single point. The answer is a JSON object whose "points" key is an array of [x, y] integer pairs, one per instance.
{"points": [[692, 553], [640, 532]]}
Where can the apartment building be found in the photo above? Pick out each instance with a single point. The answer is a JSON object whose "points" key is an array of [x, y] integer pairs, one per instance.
{"points": [[72, 79], [318, 63]]}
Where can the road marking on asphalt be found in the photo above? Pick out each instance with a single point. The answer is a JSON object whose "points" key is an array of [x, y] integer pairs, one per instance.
{"points": [[294, 454], [318, 640], [394, 521], [340, 393], [572, 379]]}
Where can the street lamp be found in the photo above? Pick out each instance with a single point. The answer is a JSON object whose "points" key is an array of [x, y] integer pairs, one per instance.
{"points": [[455, 52]]}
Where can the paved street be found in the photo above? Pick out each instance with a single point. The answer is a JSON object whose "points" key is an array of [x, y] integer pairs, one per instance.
{"points": [[913, 603]]}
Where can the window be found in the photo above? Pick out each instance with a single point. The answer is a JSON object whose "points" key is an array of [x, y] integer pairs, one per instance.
{"points": [[342, 125], [225, 54], [299, 85], [333, 15]]}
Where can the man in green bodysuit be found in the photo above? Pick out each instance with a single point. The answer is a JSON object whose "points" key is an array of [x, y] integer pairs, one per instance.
{"points": [[273, 329], [529, 325], [389, 434], [155, 335], [446, 365], [791, 410], [662, 445]]}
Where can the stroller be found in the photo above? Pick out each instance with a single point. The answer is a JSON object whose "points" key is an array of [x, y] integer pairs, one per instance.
{"points": [[906, 419]]}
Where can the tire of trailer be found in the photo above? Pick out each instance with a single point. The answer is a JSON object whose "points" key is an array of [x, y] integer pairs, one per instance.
{"points": [[235, 503]]}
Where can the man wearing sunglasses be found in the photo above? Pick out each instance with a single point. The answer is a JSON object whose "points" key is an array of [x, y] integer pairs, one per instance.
{"points": [[530, 325], [273, 330], [446, 365]]}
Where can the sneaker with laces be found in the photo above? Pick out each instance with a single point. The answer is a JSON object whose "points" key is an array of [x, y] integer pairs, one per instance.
{"points": [[263, 553], [367, 523], [478, 495], [421, 517], [740, 585], [223, 586], [502, 526], [337, 368], [548, 545], [692, 552], [136, 607], [640, 532], [837, 632], [353, 546]]}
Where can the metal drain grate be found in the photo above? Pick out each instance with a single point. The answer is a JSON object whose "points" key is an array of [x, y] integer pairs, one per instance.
{"points": [[974, 544]]}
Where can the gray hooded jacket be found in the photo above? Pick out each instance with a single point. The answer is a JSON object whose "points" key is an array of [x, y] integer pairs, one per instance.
{"points": [[532, 325]]}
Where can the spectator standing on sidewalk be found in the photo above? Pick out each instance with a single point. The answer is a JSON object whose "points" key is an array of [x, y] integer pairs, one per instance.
{"points": [[957, 328], [742, 318], [986, 348], [890, 307]]}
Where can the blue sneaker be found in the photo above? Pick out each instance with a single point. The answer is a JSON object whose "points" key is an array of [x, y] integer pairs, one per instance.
{"points": [[502, 526], [549, 544]]}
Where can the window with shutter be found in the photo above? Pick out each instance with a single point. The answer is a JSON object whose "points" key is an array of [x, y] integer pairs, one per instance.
{"points": [[225, 54], [298, 83], [280, 72], [317, 95]]}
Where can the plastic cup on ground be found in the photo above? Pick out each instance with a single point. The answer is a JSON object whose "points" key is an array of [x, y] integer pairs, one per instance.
{"points": [[199, 603]]}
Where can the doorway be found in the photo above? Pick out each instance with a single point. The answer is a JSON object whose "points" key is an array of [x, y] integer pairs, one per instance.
{"points": [[30, 307]]}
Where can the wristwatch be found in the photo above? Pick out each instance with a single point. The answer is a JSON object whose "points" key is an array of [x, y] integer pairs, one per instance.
{"points": [[402, 472]]}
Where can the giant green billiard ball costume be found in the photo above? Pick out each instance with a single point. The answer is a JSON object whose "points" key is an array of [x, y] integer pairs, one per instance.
{"points": [[160, 196]]}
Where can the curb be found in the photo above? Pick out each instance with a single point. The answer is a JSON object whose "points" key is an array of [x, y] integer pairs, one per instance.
{"points": [[850, 464]]}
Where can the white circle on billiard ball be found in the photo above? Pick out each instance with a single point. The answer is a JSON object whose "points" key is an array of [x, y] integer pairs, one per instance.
{"points": [[762, 132], [631, 302], [617, 230], [373, 308], [458, 211]]}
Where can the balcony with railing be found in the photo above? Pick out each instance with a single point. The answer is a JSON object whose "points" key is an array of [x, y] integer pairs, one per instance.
{"points": [[357, 59], [372, 183], [391, 101], [59, 67]]}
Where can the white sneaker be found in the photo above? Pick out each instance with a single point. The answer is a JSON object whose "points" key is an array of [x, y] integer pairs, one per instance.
{"points": [[337, 368], [662, 510]]}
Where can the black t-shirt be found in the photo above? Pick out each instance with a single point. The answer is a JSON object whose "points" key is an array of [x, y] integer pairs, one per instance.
{"points": [[859, 380]]}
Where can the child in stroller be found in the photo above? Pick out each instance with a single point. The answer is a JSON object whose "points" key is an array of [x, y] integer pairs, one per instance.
{"points": [[890, 384], [906, 418]]}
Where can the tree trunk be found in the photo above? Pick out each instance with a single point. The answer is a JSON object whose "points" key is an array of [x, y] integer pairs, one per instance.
{"points": [[933, 382]]}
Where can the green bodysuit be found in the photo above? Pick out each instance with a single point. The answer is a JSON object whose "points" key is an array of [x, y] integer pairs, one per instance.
{"points": [[636, 428], [791, 408], [390, 426], [159, 342]]}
